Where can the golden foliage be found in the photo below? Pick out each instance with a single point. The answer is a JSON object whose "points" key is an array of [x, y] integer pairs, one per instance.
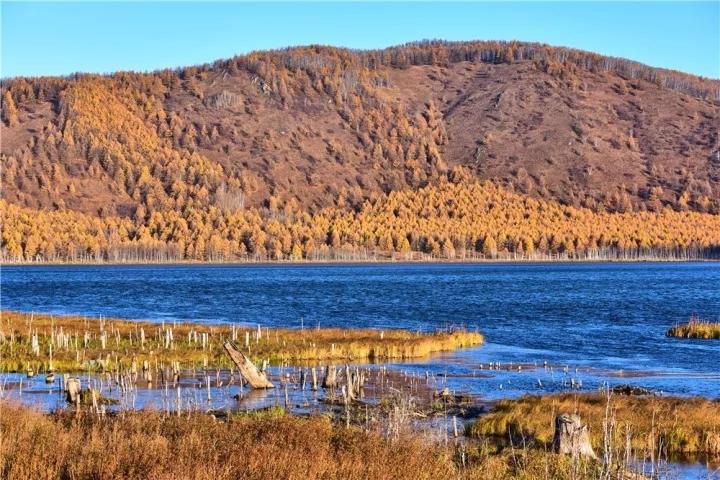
{"points": [[9, 110], [165, 201], [447, 221]]}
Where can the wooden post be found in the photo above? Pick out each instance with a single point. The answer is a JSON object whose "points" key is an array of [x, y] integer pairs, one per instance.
{"points": [[248, 370]]}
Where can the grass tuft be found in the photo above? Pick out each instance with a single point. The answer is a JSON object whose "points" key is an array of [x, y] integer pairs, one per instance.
{"points": [[696, 328]]}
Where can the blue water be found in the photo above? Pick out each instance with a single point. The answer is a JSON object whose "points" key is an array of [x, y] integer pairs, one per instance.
{"points": [[605, 322]]}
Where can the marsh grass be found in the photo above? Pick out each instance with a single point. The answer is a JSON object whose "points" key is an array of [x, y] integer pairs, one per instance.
{"points": [[72, 343], [696, 328], [149, 445], [652, 425], [257, 446]]}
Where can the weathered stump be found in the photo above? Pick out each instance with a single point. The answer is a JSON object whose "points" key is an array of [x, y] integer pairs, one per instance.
{"points": [[330, 380], [314, 379], [72, 390], [355, 383], [254, 377], [349, 385], [571, 436]]}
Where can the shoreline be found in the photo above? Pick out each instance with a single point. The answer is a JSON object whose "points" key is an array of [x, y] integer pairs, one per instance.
{"points": [[386, 262]]}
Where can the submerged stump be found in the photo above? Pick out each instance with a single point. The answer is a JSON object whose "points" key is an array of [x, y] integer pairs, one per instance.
{"points": [[330, 380], [254, 377], [571, 436]]}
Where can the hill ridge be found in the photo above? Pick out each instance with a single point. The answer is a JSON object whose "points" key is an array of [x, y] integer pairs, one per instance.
{"points": [[538, 51], [309, 128]]}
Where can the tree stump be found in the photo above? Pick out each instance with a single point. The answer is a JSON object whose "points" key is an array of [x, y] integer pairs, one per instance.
{"points": [[72, 390], [349, 384], [330, 380], [314, 379], [254, 377], [571, 436]]}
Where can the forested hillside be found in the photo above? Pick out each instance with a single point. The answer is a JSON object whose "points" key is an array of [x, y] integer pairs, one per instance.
{"points": [[302, 153], [448, 221]]}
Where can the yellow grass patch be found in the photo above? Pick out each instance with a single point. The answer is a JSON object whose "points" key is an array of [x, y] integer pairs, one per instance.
{"points": [[148, 445], [72, 343], [696, 328], [258, 446], [667, 424]]}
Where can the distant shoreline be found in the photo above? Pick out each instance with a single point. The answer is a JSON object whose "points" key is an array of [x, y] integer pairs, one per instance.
{"points": [[466, 261]]}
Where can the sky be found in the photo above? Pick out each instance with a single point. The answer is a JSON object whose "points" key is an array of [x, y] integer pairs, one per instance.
{"points": [[60, 38]]}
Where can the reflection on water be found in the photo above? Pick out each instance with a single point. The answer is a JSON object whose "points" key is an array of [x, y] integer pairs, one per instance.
{"points": [[216, 389]]}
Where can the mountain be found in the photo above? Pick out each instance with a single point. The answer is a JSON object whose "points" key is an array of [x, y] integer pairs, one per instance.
{"points": [[314, 128]]}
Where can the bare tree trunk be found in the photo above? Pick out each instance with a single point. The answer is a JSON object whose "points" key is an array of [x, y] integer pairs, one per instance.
{"points": [[248, 370]]}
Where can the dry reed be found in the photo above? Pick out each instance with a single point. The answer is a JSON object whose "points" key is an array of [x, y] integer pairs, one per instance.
{"points": [[258, 446], [696, 328], [72, 343], [671, 424]]}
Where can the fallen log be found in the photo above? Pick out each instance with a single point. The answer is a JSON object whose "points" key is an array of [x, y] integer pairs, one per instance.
{"points": [[254, 377]]}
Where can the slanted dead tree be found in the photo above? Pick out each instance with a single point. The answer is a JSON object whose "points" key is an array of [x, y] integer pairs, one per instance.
{"points": [[254, 377]]}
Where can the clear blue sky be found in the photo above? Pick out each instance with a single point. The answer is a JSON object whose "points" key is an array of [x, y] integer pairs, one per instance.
{"points": [[61, 38]]}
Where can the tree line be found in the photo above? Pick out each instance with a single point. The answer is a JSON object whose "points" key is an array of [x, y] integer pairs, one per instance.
{"points": [[449, 221]]}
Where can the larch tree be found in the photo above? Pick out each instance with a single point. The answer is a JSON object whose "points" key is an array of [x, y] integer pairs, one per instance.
{"points": [[9, 110]]}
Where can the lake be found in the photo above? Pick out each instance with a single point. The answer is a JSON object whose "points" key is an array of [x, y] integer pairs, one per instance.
{"points": [[592, 323]]}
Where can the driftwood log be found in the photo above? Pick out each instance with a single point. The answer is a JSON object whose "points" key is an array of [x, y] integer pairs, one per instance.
{"points": [[571, 436], [254, 377]]}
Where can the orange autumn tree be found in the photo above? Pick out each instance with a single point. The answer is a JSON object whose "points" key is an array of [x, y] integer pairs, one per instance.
{"points": [[478, 220]]}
